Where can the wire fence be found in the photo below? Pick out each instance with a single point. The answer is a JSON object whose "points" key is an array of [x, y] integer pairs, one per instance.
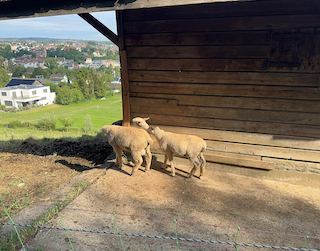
{"points": [[159, 239]]}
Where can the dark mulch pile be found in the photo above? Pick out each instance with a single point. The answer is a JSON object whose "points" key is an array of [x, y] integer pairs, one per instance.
{"points": [[95, 150]]}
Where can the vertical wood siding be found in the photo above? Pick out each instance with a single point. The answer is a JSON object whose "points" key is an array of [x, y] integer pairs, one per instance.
{"points": [[245, 76]]}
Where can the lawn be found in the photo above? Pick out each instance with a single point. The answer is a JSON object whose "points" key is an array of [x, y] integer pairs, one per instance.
{"points": [[102, 112]]}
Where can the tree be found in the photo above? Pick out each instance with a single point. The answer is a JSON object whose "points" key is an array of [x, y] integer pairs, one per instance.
{"points": [[4, 77], [53, 86], [18, 71], [51, 63], [39, 71], [117, 71], [66, 95], [107, 76], [86, 83], [1, 61]]}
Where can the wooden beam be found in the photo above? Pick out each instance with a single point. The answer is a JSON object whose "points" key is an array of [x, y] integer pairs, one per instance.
{"points": [[100, 27], [124, 72], [22, 9], [215, 157]]}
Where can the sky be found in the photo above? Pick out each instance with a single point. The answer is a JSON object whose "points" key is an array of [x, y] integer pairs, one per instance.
{"points": [[64, 26]]}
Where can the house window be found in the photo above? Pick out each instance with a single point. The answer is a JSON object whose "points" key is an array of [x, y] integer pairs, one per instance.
{"points": [[3, 93], [14, 94], [45, 90], [8, 103], [34, 92], [43, 98]]}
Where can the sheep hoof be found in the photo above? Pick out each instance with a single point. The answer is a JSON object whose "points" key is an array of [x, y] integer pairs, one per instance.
{"points": [[173, 174]]}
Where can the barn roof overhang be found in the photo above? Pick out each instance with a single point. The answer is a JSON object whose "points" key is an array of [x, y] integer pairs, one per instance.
{"points": [[10, 9]]}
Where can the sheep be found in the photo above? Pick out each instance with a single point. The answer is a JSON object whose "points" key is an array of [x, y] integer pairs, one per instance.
{"points": [[131, 139], [189, 146]]}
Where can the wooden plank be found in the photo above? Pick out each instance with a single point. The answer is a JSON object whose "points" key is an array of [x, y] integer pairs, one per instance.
{"points": [[233, 155], [234, 125], [210, 157], [198, 64], [314, 61], [196, 38], [265, 151], [228, 113], [225, 24], [247, 138], [290, 50], [175, 52], [226, 102], [230, 90], [301, 166], [247, 78], [229, 9]]}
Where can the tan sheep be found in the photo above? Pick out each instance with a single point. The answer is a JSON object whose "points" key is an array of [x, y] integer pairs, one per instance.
{"points": [[189, 146], [130, 139]]}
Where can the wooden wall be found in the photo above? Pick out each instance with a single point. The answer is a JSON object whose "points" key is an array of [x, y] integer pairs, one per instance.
{"points": [[245, 76]]}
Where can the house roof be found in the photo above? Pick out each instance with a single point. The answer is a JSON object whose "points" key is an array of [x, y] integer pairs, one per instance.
{"points": [[20, 9], [23, 81], [22, 86]]}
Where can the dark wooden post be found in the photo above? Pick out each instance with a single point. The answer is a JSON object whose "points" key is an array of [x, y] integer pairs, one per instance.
{"points": [[124, 72]]}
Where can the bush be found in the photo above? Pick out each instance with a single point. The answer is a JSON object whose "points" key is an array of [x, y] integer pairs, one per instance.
{"points": [[3, 107], [48, 122], [15, 124], [66, 122], [88, 126], [19, 123]]}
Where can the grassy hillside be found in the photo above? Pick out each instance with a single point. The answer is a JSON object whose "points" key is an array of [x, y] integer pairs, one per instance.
{"points": [[102, 112]]}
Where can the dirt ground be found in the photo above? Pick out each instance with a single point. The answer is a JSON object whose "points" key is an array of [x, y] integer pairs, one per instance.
{"points": [[268, 212], [30, 171]]}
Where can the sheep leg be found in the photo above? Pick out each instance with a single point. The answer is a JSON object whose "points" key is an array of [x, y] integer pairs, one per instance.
{"points": [[202, 164], [137, 161], [164, 165], [170, 157], [148, 157], [196, 163], [118, 156]]}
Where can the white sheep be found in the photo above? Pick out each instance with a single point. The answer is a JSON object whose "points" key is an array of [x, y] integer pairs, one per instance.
{"points": [[189, 146], [130, 139]]}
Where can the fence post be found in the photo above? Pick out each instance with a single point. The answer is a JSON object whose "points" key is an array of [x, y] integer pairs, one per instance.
{"points": [[114, 221], [237, 238], [305, 241], [175, 229], [64, 228]]}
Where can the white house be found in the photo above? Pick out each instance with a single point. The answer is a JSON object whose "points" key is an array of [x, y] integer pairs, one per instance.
{"points": [[56, 78], [26, 95]]}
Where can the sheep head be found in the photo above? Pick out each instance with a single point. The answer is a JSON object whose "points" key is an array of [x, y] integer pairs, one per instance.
{"points": [[141, 122]]}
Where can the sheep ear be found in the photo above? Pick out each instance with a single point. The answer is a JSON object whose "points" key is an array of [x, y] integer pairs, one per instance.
{"points": [[145, 119]]}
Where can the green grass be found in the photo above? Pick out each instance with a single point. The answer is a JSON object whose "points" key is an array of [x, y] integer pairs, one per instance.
{"points": [[102, 112]]}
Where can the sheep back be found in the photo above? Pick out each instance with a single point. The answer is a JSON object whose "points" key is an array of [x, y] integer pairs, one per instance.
{"points": [[127, 138], [181, 144]]}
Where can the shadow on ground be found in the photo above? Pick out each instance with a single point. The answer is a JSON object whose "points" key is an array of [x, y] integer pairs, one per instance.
{"points": [[94, 150]]}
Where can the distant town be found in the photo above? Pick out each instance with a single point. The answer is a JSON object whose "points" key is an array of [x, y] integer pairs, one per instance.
{"points": [[90, 54], [37, 72]]}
